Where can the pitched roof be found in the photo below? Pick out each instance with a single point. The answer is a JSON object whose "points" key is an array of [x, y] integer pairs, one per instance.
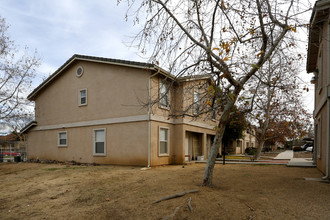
{"points": [[28, 127], [320, 13], [133, 64], [77, 57], [194, 77]]}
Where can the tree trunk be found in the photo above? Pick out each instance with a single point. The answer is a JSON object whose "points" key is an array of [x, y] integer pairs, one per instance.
{"points": [[208, 174], [259, 150]]}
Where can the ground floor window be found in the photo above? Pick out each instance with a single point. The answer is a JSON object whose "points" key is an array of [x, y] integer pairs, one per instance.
{"points": [[163, 141], [99, 143], [62, 139]]}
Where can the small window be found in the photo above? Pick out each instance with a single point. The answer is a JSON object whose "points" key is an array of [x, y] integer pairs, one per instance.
{"points": [[196, 103], [62, 139], [163, 141], [83, 97], [247, 144], [99, 143], [164, 94]]}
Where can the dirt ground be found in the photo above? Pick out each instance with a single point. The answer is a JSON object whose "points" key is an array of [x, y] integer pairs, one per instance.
{"points": [[302, 154], [53, 191]]}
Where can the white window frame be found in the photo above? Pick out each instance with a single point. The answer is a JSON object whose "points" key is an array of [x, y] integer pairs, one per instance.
{"points": [[197, 103], [80, 97], [164, 94], [105, 142], [59, 139], [167, 141]]}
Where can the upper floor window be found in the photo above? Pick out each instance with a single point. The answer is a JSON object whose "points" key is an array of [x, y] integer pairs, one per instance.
{"points": [[83, 97], [164, 94], [196, 103], [62, 139]]}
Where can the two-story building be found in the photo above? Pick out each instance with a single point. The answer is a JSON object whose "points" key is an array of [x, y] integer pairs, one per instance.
{"points": [[108, 111], [318, 63]]}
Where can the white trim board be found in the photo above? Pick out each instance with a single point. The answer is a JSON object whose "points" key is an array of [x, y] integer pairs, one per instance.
{"points": [[128, 119], [181, 121]]}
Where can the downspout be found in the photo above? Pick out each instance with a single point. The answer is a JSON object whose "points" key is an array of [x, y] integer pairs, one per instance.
{"points": [[149, 116]]}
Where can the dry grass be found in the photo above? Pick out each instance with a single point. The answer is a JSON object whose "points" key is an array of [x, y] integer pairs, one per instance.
{"points": [[49, 191]]}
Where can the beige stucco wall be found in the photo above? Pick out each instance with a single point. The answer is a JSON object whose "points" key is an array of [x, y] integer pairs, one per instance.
{"points": [[126, 144], [324, 119], [112, 92], [177, 142], [322, 92], [115, 98], [181, 97]]}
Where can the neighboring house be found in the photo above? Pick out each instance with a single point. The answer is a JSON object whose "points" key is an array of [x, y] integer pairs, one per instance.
{"points": [[318, 62], [12, 144], [95, 110], [248, 140]]}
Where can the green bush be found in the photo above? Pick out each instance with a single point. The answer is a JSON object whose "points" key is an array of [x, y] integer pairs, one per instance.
{"points": [[251, 151]]}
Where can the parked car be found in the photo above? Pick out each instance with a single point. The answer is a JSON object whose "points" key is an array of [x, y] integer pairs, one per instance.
{"points": [[309, 149], [303, 147], [8, 154]]}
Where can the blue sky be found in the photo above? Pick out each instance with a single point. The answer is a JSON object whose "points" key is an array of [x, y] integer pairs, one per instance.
{"points": [[57, 29]]}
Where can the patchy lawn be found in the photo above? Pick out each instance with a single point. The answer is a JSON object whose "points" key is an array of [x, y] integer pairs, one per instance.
{"points": [[302, 154], [52, 191]]}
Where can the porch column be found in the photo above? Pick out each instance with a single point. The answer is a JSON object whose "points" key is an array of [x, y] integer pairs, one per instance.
{"points": [[179, 145]]}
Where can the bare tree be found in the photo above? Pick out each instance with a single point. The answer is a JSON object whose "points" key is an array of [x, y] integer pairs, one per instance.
{"points": [[276, 104], [231, 40], [16, 74]]}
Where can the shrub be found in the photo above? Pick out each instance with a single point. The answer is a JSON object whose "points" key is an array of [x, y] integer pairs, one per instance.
{"points": [[251, 151]]}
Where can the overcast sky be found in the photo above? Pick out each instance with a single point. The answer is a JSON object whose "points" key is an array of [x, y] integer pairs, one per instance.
{"points": [[57, 29], [60, 28]]}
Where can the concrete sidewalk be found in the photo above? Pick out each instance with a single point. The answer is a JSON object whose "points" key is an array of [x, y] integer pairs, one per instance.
{"points": [[286, 155], [284, 158], [301, 162]]}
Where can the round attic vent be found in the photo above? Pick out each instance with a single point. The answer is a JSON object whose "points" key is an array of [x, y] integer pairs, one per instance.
{"points": [[80, 71]]}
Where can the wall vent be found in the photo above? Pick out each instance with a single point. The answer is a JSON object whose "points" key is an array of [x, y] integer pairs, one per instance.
{"points": [[80, 71]]}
